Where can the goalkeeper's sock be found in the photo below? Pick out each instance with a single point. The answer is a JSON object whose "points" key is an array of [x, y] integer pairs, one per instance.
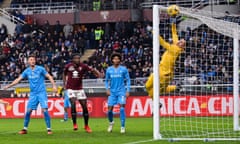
{"points": [[47, 119], [110, 116], [122, 116], [27, 119]]}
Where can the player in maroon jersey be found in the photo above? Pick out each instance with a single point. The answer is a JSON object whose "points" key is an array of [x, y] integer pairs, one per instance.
{"points": [[72, 81]]}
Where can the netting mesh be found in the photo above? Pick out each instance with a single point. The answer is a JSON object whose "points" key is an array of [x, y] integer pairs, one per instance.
{"points": [[202, 105]]}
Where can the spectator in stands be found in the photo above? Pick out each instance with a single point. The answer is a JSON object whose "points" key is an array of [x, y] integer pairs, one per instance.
{"points": [[86, 37], [98, 34], [29, 20], [67, 29], [96, 5], [46, 27], [18, 28], [58, 27], [120, 26], [107, 31], [19, 15], [3, 32]]}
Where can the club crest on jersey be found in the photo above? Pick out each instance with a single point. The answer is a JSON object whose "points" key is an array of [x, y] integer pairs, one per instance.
{"points": [[75, 74]]}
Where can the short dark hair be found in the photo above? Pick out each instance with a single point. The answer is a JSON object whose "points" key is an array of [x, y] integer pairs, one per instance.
{"points": [[32, 55], [115, 54], [75, 54]]}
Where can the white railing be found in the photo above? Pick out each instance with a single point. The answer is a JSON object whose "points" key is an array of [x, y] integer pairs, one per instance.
{"points": [[9, 20], [185, 3], [137, 85], [43, 8], [10, 17]]}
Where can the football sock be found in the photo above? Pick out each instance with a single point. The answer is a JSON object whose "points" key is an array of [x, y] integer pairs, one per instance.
{"points": [[86, 117], [73, 111], [122, 116], [47, 118], [74, 114], [65, 115], [110, 115], [27, 118]]}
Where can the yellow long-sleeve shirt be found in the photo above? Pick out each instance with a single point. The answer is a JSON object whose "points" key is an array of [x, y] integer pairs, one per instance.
{"points": [[171, 54]]}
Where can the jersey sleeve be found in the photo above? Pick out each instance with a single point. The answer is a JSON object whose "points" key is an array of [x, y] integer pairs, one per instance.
{"points": [[163, 43], [87, 68], [24, 74], [128, 80], [44, 71], [174, 34], [65, 69], [107, 78]]}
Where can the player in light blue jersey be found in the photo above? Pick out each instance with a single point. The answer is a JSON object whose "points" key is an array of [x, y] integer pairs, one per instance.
{"points": [[117, 83], [38, 94], [66, 103]]}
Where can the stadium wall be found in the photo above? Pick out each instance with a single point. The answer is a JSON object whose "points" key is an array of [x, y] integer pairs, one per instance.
{"points": [[52, 18], [84, 17]]}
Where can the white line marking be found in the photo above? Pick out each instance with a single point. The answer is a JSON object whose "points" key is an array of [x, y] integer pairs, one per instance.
{"points": [[143, 141]]}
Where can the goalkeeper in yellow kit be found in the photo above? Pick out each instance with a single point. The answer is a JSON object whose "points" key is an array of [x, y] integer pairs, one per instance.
{"points": [[166, 66]]}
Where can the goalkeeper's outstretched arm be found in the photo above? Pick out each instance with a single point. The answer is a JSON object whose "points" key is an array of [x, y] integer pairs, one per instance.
{"points": [[163, 43], [174, 34]]}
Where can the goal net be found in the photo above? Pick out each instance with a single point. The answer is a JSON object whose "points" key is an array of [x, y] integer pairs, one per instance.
{"points": [[205, 105]]}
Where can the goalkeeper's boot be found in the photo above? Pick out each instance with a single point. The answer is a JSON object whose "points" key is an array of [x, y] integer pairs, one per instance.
{"points": [[87, 129], [49, 132], [23, 131], [75, 127], [110, 127], [122, 130]]}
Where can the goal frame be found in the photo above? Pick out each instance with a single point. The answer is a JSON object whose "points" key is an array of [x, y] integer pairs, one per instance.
{"points": [[235, 34]]}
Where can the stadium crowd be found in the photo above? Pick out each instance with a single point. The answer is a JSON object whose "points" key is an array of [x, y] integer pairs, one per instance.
{"points": [[55, 44]]}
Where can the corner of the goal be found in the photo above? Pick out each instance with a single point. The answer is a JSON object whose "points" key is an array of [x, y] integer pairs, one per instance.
{"points": [[157, 136]]}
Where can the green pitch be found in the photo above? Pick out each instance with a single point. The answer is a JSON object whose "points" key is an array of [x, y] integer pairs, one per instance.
{"points": [[138, 130]]}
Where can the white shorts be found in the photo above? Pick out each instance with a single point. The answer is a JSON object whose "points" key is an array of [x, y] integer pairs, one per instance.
{"points": [[79, 94]]}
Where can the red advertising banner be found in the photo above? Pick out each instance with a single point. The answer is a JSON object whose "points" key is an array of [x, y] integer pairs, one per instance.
{"points": [[137, 106]]}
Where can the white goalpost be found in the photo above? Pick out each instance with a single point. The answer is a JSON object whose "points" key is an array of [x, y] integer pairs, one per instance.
{"points": [[207, 107]]}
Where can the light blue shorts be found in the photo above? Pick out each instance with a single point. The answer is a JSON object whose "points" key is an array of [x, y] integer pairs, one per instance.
{"points": [[117, 98], [67, 103], [35, 99]]}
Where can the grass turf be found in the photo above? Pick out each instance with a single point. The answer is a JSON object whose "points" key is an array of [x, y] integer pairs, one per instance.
{"points": [[138, 130]]}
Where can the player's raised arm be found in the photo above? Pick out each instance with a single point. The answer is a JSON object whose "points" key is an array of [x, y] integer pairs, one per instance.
{"points": [[16, 81], [97, 73], [174, 34], [163, 43], [50, 78]]}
